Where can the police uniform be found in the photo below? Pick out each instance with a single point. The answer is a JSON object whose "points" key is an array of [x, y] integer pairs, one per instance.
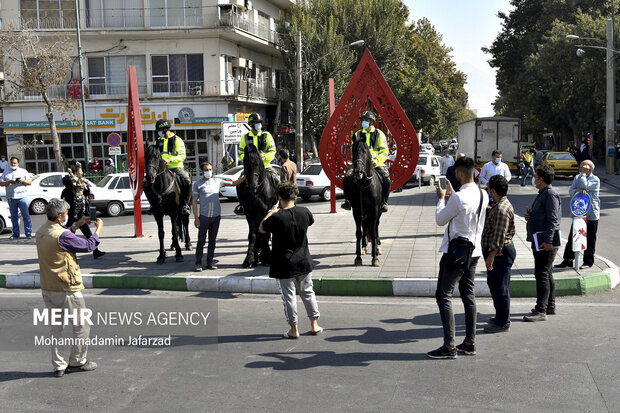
{"points": [[266, 148], [172, 147]]}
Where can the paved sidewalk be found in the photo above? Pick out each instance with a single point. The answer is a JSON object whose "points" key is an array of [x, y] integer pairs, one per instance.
{"points": [[408, 265]]}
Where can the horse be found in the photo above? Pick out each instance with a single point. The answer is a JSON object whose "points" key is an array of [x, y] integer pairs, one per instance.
{"points": [[363, 190], [257, 194], [163, 191]]}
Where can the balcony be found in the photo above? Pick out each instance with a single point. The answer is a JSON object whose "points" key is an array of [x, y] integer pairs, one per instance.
{"points": [[94, 90], [240, 22]]}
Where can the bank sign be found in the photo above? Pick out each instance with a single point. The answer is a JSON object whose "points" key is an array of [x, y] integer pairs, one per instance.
{"points": [[59, 124]]}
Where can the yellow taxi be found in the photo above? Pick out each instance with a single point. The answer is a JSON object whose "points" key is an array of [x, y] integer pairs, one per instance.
{"points": [[563, 163]]}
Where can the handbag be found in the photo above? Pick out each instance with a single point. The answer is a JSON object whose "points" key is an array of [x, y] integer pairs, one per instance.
{"points": [[460, 249]]}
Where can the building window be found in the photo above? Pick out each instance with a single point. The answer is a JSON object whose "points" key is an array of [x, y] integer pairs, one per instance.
{"points": [[177, 74], [114, 13], [176, 13], [47, 14], [108, 75]]}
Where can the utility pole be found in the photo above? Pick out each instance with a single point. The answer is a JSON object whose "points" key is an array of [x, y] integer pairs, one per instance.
{"points": [[299, 134], [610, 130], [88, 152]]}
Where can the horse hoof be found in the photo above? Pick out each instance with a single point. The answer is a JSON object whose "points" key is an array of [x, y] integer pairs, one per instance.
{"points": [[161, 260], [179, 259], [188, 247], [247, 264], [363, 251], [358, 262], [375, 262], [379, 251]]}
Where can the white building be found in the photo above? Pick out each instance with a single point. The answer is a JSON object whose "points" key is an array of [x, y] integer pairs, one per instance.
{"points": [[198, 63]]}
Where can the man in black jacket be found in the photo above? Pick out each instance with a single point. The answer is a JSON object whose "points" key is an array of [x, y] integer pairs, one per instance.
{"points": [[543, 231]]}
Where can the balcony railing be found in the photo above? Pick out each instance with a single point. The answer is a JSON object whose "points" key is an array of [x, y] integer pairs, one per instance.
{"points": [[243, 23], [103, 90], [47, 23]]}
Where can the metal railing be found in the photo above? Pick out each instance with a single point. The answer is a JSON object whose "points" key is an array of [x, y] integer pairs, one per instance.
{"points": [[243, 23], [102, 90]]}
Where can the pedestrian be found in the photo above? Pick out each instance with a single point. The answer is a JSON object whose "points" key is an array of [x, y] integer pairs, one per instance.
{"points": [[464, 214], [96, 166], [108, 168], [377, 145], [290, 258], [61, 279], [445, 162], [4, 164], [288, 172], [494, 167], [585, 183], [543, 222], [172, 150], [16, 180], [499, 252], [77, 195], [528, 163], [538, 157], [451, 176], [207, 189]]}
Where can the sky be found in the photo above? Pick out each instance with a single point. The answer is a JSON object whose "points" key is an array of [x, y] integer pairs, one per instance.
{"points": [[467, 26]]}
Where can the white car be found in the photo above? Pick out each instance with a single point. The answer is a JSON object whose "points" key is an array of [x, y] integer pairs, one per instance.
{"points": [[233, 174], [5, 217], [427, 148], [429, 169], [44, 187], [314, 181], [112, 195]]}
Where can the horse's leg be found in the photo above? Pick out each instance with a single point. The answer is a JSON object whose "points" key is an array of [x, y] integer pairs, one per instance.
{"points": [[358, 235], [374, 235], [265, 253], [159, 218], [378, 238], [188, 243], [175, 220], [249, 257]]}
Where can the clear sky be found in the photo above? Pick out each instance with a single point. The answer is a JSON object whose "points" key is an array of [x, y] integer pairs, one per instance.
{"points": [[467, 26]]}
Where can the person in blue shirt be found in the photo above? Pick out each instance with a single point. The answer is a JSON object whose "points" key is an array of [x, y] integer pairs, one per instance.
{"points": [[585, 183]]}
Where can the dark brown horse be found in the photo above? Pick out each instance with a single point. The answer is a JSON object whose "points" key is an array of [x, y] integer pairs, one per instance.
{"points": [[163, 190], [363, 190], [257, 195]]}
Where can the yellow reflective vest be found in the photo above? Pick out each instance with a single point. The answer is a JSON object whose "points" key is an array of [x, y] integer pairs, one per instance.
{"points": [[176, 154], [378, 151], [268, 153]]}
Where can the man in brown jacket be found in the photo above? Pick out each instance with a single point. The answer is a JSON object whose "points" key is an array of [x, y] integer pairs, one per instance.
{"points": [[289, 169], [61, 279]]}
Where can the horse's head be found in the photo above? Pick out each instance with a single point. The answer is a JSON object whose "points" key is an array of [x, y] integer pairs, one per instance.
{"points": [[253, 168], [362, 161], [152, 162]]}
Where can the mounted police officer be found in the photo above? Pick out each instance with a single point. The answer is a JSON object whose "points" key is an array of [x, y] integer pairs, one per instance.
{"points": [[172, 151], [266, 148], [377, 144]]}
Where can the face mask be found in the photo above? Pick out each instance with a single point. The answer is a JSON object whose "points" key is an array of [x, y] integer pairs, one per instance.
{"points": [[207, 174], [64, 221], [258, 126], [365, 124], [14, 168], [161, 134], [498, 160]]}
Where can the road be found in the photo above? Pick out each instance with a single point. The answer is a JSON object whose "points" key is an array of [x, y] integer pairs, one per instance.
{"points": [[371, 357]]}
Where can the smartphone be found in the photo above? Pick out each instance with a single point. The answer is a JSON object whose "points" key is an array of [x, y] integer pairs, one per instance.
{"points": [[528, 211], [93, 214], [442, 182]]}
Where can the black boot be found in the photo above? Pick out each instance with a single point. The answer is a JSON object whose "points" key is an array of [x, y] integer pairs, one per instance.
{"points": [[98, 254], [346, 205], [387, 184]]}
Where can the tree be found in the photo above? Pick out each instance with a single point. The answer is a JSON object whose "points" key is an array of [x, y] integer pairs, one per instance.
{"points": [[38, 68]]}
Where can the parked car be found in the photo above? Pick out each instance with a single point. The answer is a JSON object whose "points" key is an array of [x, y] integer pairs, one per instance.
{"points": [[314, 181], [5, 217], [563, 163], [44, 187], [427, 148], [428, 167], [233, 174], [112, 195]]}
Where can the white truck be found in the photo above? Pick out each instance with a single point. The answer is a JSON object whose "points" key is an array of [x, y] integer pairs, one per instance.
{"points": [[479, 137]]}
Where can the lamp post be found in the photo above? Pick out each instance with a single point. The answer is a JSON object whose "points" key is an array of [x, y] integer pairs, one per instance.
{"points": [[610, 109], [299, 135], [88, 152]]}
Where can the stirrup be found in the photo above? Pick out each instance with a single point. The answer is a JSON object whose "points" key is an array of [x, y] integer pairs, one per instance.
{"points": [[185, 210], [239, 210], [346, 205], [384, 207]]}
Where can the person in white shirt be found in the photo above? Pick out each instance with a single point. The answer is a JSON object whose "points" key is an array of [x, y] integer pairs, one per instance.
{"points": [[464, 214], [4, 164], [445, 162], [495, 167]]}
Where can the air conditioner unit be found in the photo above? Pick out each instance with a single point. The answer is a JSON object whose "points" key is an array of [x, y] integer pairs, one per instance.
{"points": [[239, 3], [250, 63], [248, 4], [1, 76], [239, 62]]}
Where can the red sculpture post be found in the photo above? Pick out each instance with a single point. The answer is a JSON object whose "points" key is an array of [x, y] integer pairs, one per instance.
{"points": [[368, 90], [332, 108], [135, 149]]}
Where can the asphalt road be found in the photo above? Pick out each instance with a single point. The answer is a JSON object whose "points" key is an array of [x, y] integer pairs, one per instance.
{"points": [[371, 357]]}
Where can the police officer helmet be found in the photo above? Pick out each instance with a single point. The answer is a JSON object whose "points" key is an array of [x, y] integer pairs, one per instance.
{"points": [[162, 124], [254, 117], [369, 115]]}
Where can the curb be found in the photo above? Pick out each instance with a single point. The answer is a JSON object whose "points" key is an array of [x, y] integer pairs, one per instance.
{"points": [[409, 287]]}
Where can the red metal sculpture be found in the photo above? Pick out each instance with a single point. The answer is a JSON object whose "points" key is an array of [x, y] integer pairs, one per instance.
{"points": [[135, 148], [368, 90]]}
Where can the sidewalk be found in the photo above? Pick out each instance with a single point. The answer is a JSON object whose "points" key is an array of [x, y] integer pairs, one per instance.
{"points": [[408, 265]]}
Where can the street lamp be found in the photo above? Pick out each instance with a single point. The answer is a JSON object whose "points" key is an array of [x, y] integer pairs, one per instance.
{"points": [[299, 135], [610, 118]]}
